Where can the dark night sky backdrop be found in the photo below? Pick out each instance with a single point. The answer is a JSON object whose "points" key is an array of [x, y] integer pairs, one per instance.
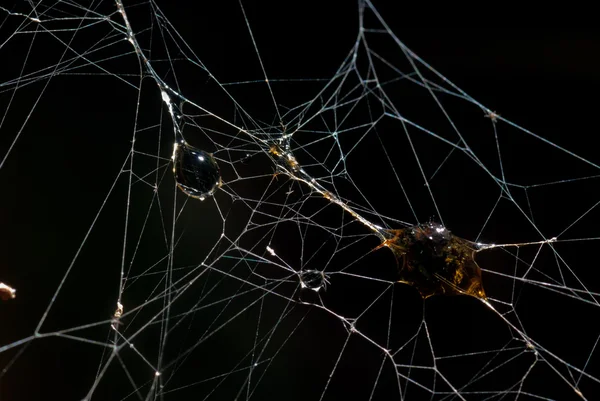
{"points": [[545, 79]]}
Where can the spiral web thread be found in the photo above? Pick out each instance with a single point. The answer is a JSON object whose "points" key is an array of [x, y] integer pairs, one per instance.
{"points": [[298, 218]]}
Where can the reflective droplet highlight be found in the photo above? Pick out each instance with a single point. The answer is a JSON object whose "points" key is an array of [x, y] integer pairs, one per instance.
{"points": [[196, 172]]}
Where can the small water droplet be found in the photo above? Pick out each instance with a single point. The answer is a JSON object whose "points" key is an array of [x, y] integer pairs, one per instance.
{"points": [[314, 280], [196, 171]]}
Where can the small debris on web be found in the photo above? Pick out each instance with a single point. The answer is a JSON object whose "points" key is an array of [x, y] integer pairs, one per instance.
{"points": [[7, 292], [119, 311], [116, 316], [492, 115]]}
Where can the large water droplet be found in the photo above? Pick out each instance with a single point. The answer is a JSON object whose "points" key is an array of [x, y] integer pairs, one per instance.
{"points": [[196, 171]]}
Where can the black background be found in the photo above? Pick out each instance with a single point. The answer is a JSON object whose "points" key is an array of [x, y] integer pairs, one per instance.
{"points": [[533, 71]]}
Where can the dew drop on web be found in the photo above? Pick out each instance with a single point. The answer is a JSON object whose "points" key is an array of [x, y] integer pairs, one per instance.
{"points": [[196, 172]]}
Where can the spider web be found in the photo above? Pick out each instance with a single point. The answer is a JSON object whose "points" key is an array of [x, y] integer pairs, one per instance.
{"points": [[275, 286]]}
